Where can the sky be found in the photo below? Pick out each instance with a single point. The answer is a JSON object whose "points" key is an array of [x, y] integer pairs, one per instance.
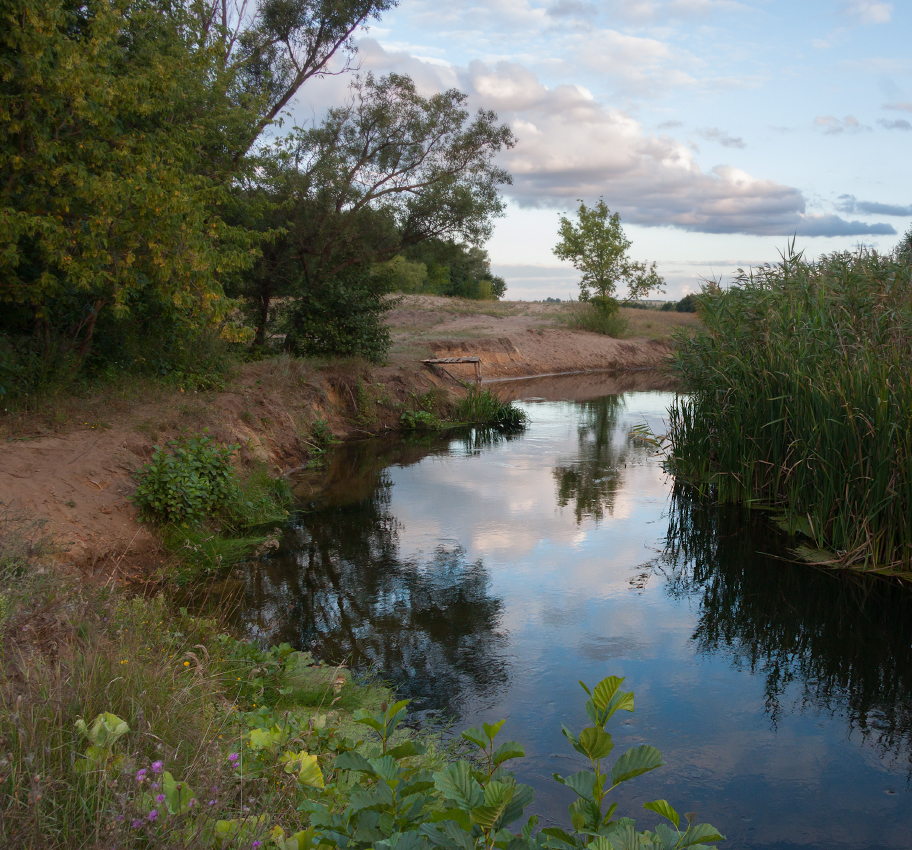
{"points": [[717, 129]]}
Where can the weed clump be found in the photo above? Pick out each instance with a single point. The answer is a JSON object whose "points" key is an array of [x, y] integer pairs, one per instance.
{"points": [[206, 512]]}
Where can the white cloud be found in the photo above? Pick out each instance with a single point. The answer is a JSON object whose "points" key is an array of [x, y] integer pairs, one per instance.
{"points": [[898, 124], [571, 146], [902, 106], [714, 134], [832, 125], [869, 11]]}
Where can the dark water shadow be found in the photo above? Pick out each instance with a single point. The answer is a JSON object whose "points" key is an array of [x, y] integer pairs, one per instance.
{"points": [[340, 587], [822, 641]]}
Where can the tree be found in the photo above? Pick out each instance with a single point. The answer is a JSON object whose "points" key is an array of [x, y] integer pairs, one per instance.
{"points": [[597, 246], [124, 130], [387, 170]]}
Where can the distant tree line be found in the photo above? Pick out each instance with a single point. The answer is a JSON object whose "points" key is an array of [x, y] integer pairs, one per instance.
{"points": [[150, 194]]}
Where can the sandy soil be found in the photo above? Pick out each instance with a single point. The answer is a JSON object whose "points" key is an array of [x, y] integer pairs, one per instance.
{"points": [[79, 477], [518, 339]]}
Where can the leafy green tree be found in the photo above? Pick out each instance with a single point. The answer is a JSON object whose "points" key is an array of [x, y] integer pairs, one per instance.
{"points": [[387, 170], [597, 247], [457, 269], [124, 128]]}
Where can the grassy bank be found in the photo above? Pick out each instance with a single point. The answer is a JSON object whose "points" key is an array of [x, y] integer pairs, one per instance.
{"points": [[801, 401]]}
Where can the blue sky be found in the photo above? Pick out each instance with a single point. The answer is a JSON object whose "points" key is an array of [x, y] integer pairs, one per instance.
{"points": [[715, 128]]}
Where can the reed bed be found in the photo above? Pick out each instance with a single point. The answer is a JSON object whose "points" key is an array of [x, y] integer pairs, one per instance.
{"points": [[801, 399]]}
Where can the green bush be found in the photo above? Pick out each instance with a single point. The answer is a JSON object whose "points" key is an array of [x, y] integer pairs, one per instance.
{"points": [[341, 317], [482, 407], [599, 316], [189, 484]]}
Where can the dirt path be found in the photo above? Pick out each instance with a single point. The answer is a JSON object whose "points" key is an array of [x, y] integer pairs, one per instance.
{"points": [[79, 477]]}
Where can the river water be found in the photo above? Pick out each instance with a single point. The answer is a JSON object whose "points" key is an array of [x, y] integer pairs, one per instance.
{"points": [[485, 575]]}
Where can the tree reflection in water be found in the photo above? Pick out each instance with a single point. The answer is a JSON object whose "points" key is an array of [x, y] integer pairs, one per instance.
{"points": [[340, 587], [832, 642], [591, 479]]}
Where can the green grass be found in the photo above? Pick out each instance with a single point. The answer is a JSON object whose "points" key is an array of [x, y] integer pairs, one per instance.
{"points": [[482, 407], [801, 400]]}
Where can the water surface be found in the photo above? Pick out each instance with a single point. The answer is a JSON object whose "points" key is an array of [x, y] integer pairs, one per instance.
{"points": [[485, 575]]}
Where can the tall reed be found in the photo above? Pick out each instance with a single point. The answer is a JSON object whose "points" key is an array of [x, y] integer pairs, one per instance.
{"points": [[801, 399]]}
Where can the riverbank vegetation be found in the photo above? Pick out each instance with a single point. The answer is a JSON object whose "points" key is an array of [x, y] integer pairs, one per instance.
{"points": [[126, 723], [800, 401]]}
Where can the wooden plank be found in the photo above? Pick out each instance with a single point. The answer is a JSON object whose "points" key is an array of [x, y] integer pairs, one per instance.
{"points": [[439, 361]]}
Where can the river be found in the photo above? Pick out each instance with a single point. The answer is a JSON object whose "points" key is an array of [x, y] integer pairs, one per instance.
{"points": [[485, 575]]}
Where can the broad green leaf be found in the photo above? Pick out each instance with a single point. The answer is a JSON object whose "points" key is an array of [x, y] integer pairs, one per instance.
{"points": [[523, 795], [605, 690], [666, 837], [635, 762], [559, 835], [595, 742], [530, 825], [177, 794], [407, 748], [491, 729], [386, 768], [661, 807], [362, 715], [506, 751], [305, 766], [353, 761], [584, 815], [458, 815], [377, 797], [450, 833], [582, 783], [623, 836], [475, 736], [621, 700], [702, 833], [456, 783]]}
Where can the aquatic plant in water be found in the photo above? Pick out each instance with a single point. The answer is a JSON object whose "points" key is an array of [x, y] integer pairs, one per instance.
{"points": [[800, 400]]}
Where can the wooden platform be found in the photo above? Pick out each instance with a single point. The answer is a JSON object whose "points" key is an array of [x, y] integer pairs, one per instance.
{"points": [[442, 361]]}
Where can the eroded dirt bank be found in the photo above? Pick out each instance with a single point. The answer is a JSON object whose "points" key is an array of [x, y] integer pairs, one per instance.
{"points": [[80, 478]]}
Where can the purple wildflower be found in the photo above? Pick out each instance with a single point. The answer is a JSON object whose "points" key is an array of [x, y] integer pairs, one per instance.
{"points": [[160, 798], [192, 802], [257, 844], [234, 758], [141, 774], [152, 815], [157, 766], [212, 802], [137, 824]]}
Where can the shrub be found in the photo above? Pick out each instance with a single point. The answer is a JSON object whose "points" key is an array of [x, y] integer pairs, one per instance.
{"points": [[341, 317], [598, 315], [189, 484]]}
